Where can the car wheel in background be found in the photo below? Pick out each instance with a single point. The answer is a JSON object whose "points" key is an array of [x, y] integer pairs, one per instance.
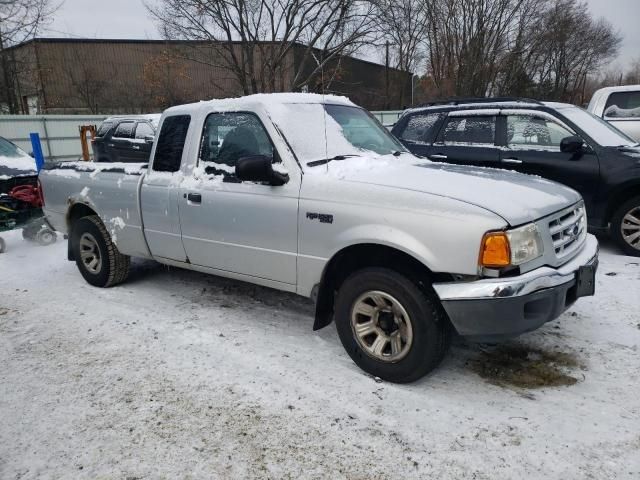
{"points": [[97, 257], [625, 227], [46, 236], [389, 327]]}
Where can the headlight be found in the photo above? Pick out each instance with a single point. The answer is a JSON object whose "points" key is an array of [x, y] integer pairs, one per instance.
{"points": [[513, 247], [525, 243]]}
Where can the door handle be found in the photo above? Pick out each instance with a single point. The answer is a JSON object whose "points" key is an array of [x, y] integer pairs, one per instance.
{"points": [[438, 156], [194, 197], [111, 144], [135, 147], [511, 160]]}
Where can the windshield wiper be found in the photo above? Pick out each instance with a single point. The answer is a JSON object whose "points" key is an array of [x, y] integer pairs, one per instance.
{"points": [[324, 161]]}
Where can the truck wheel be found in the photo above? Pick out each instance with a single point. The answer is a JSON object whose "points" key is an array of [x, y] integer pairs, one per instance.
{"points": [[97, 257], [625, 227], [389, 327]]}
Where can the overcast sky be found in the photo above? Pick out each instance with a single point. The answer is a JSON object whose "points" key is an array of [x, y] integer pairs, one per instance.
{"points": [[130, 19]]}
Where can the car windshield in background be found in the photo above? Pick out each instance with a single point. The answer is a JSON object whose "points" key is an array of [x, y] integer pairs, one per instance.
{"points": [[8, 149], [602, 132], [316, 131]]}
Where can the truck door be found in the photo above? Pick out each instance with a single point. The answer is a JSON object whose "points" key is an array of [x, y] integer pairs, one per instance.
{"points": [[159, 191], [121, 142], [141, 147], [244, 228], [533, 147]]}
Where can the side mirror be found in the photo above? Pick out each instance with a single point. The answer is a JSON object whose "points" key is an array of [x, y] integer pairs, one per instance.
{"points": [[258, 168], [149, 138], [571, 144]]}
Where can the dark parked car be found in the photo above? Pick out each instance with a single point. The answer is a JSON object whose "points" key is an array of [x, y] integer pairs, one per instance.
{"points": [[125, 139], [557, 141], [16, 167]]}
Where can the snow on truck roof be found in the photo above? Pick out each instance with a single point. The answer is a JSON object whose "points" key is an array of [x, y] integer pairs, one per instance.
{"points": [[264, 100]]}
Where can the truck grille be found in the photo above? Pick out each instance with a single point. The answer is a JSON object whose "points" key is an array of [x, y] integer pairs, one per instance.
{"points": [[568, 231]]}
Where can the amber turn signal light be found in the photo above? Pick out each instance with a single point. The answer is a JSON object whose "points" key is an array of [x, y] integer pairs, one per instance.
{"points": [[495, 251]]}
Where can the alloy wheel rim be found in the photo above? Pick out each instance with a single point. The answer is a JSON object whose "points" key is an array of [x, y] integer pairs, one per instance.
{"points": [[90, 253], [630, 228], [381, 326]]}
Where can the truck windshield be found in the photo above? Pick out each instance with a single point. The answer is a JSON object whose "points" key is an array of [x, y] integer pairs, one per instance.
{"points": [[320, 131], [602, 132]]}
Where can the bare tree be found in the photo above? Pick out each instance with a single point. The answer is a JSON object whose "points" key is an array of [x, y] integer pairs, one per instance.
{"points": [[267, 45], [567, 46], [88, 83], [164, 78], [20, 20], [470, 40], [403, 28]]}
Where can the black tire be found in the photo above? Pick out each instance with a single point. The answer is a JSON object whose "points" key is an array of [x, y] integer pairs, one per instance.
{"points": [[616, 226], [30, 231], [430, 325], [3, 245], [113, 266]]}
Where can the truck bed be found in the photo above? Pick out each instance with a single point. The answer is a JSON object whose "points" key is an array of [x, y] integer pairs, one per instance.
{"points": [[113, 189]]}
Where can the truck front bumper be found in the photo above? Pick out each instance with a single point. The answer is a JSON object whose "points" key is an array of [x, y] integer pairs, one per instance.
{"points": [[491, 310]]}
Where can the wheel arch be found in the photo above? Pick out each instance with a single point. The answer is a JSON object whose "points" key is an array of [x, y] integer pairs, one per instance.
{"points": [[362, 255], [623, 194], [75, 212]]}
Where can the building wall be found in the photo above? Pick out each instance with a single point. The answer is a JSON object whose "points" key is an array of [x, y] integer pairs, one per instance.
{"points": [[108, 77]]}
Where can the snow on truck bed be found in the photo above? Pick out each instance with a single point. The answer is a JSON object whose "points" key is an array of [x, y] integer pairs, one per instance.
{"points": [[176, 374]]}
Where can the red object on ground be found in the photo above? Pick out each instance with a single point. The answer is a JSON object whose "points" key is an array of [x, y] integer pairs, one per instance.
{"points": [[28, 194]]}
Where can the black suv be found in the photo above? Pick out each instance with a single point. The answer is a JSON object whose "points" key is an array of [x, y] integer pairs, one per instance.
{"points": [[125, 139], [557, 141]]}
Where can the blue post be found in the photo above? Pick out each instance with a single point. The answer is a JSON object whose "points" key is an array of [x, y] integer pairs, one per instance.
{"points": [[37, 150]]}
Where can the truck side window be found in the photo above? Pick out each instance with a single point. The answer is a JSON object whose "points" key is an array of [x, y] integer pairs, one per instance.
{"points": [[171, 143], [226, 137], [419, 128], [471, 130], [528, 131], [143, 130], [124, 130]]}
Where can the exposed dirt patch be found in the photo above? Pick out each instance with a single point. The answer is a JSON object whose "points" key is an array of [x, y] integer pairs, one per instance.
{"points": [[526, 367]]}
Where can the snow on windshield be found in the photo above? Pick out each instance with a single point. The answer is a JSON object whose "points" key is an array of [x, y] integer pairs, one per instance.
{"points": [[316, 131], [602, 132]]}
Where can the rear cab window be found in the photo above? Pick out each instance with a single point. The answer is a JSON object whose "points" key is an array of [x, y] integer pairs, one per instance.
{"points": [[170, 143], [623, 105]]}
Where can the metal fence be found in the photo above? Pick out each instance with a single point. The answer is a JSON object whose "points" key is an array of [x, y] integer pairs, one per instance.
{"points": [[387, 118], [59, 134]]}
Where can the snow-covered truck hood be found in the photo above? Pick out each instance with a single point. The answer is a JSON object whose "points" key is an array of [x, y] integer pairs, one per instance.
{"points": [[515, 197]]}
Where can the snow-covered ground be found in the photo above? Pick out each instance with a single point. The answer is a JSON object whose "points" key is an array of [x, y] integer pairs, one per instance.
{"points": [[180, 375]]}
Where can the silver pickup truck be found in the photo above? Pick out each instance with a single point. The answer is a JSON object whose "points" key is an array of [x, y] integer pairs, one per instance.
{"points": [[309, 194]]}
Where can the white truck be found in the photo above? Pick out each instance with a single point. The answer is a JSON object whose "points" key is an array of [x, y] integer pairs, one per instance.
{"points": [[620, 106], [310, 194]]}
